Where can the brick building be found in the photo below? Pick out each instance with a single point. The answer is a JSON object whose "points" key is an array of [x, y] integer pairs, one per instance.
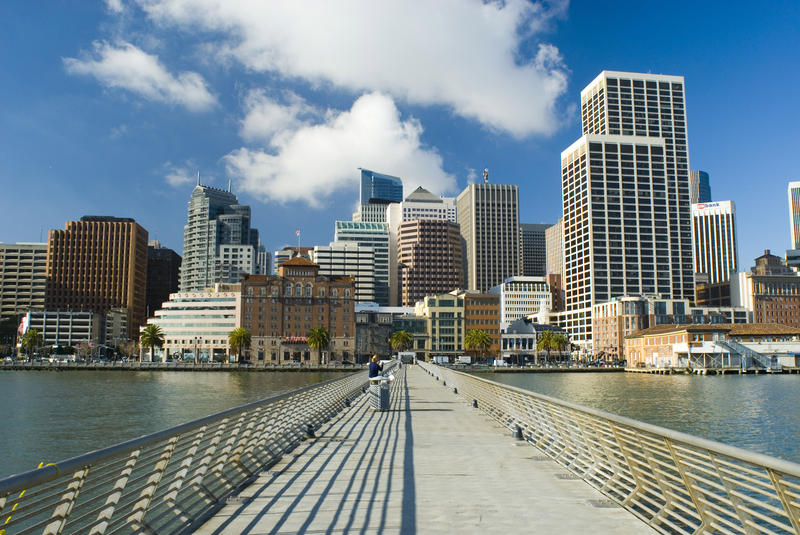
{"points": [[279, 311]]}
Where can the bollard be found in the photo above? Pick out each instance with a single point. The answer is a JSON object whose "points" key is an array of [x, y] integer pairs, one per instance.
{"points": [[518, 433], [455, 390], [475, 403], [310, 431]]}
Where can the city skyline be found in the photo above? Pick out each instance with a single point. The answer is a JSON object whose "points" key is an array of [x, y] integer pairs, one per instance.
{"points": [[99, 142]]}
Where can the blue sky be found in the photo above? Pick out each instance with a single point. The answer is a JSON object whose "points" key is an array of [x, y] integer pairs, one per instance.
{"points": [[111, 107]]}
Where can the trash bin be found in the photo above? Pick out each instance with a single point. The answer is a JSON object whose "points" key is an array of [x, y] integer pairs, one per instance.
{"points": [[379, 393]]}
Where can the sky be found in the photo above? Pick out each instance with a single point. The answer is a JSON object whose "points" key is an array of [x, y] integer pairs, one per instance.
{"points": [[112, 107]]}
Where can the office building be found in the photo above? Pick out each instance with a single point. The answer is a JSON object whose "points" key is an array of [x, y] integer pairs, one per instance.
{"points": [[488, 215], [163, 275], [82, 330], [482, 313], [98, 264], [521, 297], [430, 259], [771, 290], [699, 187], [346, 259], [280, 310], [287, 253], [554, 246], [375, 236], [625, 189], [377, 192], [444, 314], [716, 253], [196, 325], [219, 244], [533, 250], [23, 278]]}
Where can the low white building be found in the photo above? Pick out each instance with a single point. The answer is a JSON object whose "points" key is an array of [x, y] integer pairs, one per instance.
{"points": [[196, 325], [521, 297], [65, 328]]}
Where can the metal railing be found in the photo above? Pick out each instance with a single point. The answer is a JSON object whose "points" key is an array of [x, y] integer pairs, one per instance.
{"points": [[676, 483], [172, 480]]}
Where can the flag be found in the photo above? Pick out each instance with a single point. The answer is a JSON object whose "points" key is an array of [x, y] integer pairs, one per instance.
{"points": [[297, 232]]}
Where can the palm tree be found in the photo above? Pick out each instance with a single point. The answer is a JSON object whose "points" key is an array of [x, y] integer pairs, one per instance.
{"points": [[239, 339], [477, 339], [152, 336], [401, 340], [560, 341], [31, 340], [318, 338], [544, 341]]}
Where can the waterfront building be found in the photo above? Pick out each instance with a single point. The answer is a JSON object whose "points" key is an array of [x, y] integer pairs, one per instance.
{"points": [[699, 187], [378, 191], [533, 250], [416, 326], [488, 215], [375, 236], [279, 311], [196, 325], [163, 275], [65, 328], [340, 259], [287, 253], [520, 297], [620, 317], [219, 244], [520, 342], [716, 252], [374, 327], [98, 264], [711, 345], [625, 189], [444, 314], [482, 313], [429, 259], [23, 278], [770, 290]]}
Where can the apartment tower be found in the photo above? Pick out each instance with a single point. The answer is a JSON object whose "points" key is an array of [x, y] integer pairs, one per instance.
{"points": [[625, 190], [98, 264], [488, 215], [23, 278], [714, 235]]}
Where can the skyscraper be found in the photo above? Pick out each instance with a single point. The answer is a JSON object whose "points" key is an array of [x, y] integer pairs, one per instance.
{"points": [[377, 192], [794, 213], [532, 250], [488, 215], [625, 188], [163, 275], [376, 236], [699, 187], [715, 248], [23, 277], [98, 264], [219, 245], [429, 259]]}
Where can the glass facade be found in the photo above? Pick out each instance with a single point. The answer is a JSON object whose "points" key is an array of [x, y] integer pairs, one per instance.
{"points": [[377, 188]]}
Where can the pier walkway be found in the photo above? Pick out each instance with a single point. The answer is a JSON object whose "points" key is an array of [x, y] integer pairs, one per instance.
{"points": [[431, 464]]}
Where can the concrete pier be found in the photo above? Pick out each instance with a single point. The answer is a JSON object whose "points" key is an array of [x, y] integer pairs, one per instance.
{"points": [[431, 464]]}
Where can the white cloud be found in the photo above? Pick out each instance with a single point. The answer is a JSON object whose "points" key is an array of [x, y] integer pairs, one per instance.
{"points": [[178, 176], [265, 117], [127, 67], [309, 162], [115, 6], [457, 53]]}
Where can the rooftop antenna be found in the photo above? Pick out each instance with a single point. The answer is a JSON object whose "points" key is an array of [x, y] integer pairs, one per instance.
{"points": [[229, 185], [198, 177], [485, 176]]}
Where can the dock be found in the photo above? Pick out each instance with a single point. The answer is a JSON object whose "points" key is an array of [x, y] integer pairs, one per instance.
{"points": [[431, 464]]}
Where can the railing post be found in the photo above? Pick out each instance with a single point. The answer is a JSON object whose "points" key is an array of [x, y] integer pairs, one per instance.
{"points": [[786, 501], [105, 515], [140, 508], [64, 508]]}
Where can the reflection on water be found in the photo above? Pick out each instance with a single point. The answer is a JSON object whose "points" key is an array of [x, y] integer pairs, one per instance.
{"points": [[755, 412], [50, 416]]}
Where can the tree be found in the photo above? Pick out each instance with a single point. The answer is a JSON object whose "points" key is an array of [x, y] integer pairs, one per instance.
{"points": [[318, 338], [544, 341], [477, 339], [31, 340], [239, 339], [401, 340], [560, 341], [152, 336]]}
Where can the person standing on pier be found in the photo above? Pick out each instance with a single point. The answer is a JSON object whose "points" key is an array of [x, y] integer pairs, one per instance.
{"points": [[375, 367]]}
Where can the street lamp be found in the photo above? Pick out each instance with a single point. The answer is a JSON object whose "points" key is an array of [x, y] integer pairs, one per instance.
{"points": [[196, 356]]}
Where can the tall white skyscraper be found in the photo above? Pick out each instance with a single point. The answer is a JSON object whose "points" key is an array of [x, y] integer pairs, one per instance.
{"points": [[376, 236], [625, 190], [714, 234], [488, 215], [794, 213]]}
